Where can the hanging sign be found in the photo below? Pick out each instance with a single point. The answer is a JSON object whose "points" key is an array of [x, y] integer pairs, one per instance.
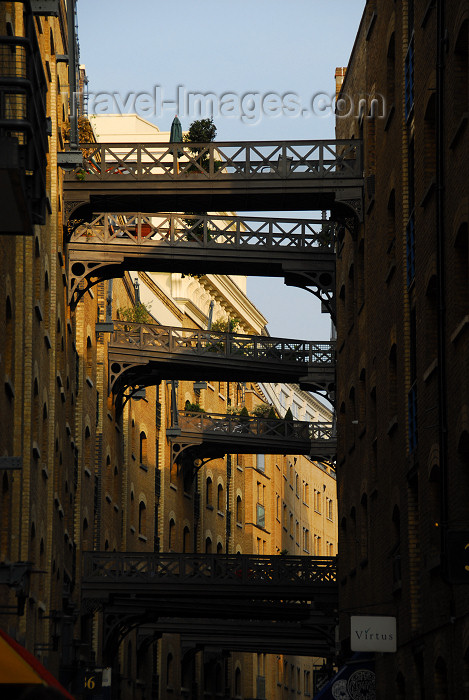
{"points": [[373, 633]]}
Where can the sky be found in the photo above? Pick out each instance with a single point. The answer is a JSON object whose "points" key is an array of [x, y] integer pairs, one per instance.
{"points": [[268, 66]]}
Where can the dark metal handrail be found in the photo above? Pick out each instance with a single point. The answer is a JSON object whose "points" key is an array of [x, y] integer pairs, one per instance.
{"points": [[224, 160], [223, 569], [273, 428], [145, 336], [171, 229]]}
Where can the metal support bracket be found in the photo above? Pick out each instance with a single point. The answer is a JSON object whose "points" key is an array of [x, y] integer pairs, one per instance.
{"points": [[46, 8]]}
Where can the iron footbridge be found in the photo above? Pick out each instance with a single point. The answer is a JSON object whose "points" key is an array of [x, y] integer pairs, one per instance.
{"points": [[288, 594], [200, 437], [219, 176], [144, 354], [301, 251]]}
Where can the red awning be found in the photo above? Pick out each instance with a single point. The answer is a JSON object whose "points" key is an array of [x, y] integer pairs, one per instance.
{"points": [[19, 666]]}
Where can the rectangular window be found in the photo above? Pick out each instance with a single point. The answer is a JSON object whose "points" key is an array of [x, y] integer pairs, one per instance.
{"points": [[329, 508], [305, 539], [260, 463], [317, 501], [317, 545], [306, 493], [307, 682], [260, 515], [283, 399]]}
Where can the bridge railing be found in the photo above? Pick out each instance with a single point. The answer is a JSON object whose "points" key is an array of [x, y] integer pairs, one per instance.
{"points": [[224, 160], [228, 569], [168, 339], [173, 229], [273, 428]]}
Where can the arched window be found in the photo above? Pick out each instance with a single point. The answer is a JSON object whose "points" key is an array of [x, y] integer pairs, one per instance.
{"points": [[219, 548], [172, 534], [208, 545], [239, 509], [220, 504], [169, 671], [142, 518], [143, 448], [237, 683], [208, 491]]}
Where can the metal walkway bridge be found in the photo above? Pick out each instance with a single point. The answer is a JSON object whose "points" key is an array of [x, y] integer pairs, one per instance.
{"points": [[203, 436], [303, 252], [144, 354], [284, 593], [219, 176]]}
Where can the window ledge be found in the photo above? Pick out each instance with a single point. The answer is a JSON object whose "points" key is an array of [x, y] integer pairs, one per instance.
{"points": [[392, 425], [38, 310], [9, 388], [144, 467], [220, 513], [461, 127], [371, 25], [142, 538], [428, 192], [172, 486], [370, 205], [462, 326], [426, 14], [389, 117], [209, 507], [390, 272], [430, 370]]}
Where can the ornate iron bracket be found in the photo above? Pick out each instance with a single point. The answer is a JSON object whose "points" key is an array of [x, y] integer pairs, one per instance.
{"points": [[117, 626], [320, 283]]}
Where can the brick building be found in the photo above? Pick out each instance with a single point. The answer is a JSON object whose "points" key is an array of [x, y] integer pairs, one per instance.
{"points": [[402, 294]]}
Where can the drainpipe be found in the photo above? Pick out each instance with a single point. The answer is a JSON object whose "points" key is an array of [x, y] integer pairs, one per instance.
{"points": [[440, 237], [72, 74]]}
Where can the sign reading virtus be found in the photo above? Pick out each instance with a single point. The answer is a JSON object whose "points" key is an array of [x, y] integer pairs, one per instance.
{"points": [[373, 633]]}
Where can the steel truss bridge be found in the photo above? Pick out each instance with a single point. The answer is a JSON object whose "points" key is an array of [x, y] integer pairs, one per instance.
{"points": [[220, 176], [200, 437], [303, 252], [282, 599], [144, 354]]}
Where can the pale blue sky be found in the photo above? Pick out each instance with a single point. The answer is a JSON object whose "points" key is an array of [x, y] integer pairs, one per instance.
{"points": [[240, 51]]}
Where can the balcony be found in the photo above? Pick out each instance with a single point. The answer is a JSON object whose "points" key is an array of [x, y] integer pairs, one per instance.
{"points": [[23, 131]]}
